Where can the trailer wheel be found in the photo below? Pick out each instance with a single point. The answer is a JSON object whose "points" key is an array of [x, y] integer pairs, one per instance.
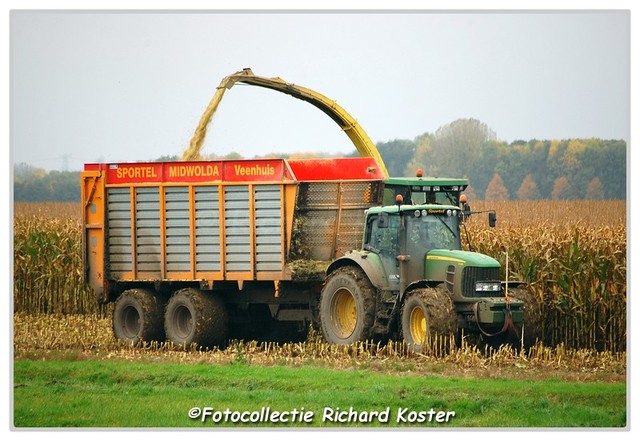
{"points": [[347, 306], [137, 317], [532, 322], [195, 317], [427, 313]]}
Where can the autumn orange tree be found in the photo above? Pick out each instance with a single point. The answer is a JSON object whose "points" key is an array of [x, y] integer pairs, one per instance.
{"points": [[561, 188], [528, 190], [595, 191], [496, 191]]}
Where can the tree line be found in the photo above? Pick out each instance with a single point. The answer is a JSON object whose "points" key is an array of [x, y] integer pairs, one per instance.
{"points": [[466, 148], [523, 170], [32, 184]]}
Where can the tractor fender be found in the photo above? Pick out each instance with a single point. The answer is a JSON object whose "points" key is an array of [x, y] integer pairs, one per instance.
{"points": [[368, 262], [424, 283]]}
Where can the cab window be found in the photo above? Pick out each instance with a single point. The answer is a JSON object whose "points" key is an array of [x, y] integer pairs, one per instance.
{"points": [[381, 238]]}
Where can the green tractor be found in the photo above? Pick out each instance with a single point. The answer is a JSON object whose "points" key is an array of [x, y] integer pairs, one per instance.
{"points": [[411, 279]]}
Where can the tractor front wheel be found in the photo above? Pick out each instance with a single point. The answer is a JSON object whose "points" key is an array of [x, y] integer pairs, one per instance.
{"points": [[532, 322], [427, 314]]}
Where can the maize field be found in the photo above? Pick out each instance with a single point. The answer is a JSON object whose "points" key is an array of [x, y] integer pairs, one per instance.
{"points": [[77, 336], [572, 254]]}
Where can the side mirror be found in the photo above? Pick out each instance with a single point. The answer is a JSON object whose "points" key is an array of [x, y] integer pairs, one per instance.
{"points": [[492, 219], [383, 220]]}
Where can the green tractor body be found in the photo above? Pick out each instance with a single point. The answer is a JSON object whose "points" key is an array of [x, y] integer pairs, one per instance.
{"points": [[425, 283]]}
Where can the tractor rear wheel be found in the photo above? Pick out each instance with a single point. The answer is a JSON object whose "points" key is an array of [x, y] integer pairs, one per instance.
{"points": [[427, 313], [195, 317], [347, 306], [137, 317]]}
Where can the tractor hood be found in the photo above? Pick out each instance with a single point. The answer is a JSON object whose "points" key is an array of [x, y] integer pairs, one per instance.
{"points": [[462, 258]]}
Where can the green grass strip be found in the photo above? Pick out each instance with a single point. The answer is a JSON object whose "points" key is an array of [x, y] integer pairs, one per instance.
{"points": [[162, 395]]}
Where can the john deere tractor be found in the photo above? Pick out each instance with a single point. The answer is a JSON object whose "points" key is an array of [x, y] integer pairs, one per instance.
{"points": [[412, 279]]}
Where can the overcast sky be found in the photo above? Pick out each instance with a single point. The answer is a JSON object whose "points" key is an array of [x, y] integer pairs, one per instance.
{"points": [[119, 87]]}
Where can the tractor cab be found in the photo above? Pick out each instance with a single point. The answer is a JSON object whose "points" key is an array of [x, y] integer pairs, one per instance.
{"points": [[403, 235], [422, 244]]}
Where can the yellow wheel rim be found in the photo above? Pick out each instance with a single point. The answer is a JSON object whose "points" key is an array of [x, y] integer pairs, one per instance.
{"points": [[418, 325], [344, 313]]}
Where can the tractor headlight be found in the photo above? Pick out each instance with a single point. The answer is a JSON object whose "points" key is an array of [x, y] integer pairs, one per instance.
{"points": [[488, 286]]}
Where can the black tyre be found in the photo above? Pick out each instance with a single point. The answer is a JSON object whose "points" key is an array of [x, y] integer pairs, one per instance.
{"points": [[427, 313], [347, 306], [138, 316], [531, 329], [193, 316]]}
